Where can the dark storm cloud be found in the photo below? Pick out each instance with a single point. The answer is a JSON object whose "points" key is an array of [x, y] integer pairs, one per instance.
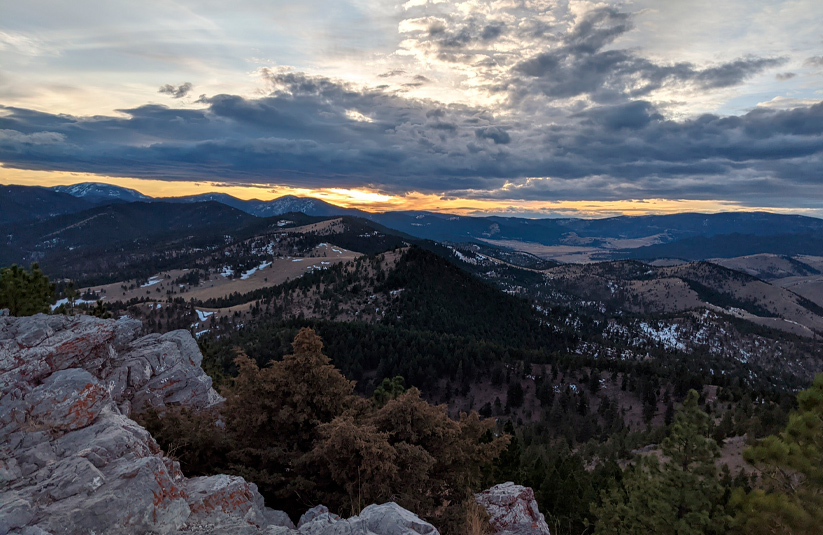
{"points": [[494, 133], [303, 134], [581, 65], [454, 39], [633, 115], [179, 91]]}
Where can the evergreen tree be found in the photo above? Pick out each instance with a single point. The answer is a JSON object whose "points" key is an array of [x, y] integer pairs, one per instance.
{"points": [[71, 294], [668, 418], [507, 466], [388, 390], [272, 415], [680, 495], [100, 310], [515, 395], [296, 429], [25, 293], [791, 500]]}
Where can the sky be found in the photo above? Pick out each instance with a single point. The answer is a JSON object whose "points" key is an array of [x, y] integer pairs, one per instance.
{"points": [[532, 107]]}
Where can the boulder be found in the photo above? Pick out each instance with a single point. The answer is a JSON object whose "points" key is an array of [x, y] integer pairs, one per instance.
{"points": [[385, 519], [311, 514], [162, 370], [513, 510], [214, 499]]}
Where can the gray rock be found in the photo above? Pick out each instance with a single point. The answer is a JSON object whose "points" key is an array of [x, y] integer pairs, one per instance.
{"points": [[67, 400], [215, 497], [31, 530], [277, 518], [311, 514], [34, 347], [152, 371], [391, 519], [385, 519], [71, 462], [162, 370], [278, 530], [513, 510], [15, 512]]}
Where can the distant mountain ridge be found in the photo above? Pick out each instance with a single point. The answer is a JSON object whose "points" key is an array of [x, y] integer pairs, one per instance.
{"points": [[573, 231], [279, 206], [98, 193], [687, 236]]}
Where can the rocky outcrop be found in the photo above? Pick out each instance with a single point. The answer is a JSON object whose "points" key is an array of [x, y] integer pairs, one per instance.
{"points": [[513, 510], [72, 462], [138, 372]]}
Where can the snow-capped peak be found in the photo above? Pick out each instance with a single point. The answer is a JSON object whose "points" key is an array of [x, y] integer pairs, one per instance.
{"points": [[98, 192]]}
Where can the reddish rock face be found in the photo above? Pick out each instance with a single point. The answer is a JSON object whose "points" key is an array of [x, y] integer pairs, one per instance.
{"points": [[72, 462], [513, 510]]}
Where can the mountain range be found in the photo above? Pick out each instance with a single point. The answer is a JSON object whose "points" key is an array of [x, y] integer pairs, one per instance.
{"points": [[685, 236]]}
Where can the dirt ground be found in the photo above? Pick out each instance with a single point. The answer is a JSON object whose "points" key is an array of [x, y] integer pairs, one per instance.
{"points": [[567, 254]]}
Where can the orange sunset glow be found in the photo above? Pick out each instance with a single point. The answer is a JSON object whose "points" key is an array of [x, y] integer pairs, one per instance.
{"points": [[374, 201]]}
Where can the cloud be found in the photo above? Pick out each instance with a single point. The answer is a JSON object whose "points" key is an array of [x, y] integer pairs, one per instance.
{"points": [[788, 103], [303, 134], [17, 140], [179, 91], [518, 52], [494, 133], [783, 76], [417, 81], [391, 73], [583, 64], [633, 116], [814, 61]]}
